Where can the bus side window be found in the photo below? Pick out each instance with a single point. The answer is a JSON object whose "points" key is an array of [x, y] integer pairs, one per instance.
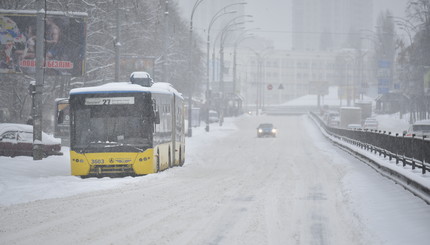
{"points": [[157, 117], [156, 112], [60, 118]]}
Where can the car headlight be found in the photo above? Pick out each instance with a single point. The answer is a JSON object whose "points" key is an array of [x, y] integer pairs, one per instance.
{"points": [[260, 130], [274, 130]]}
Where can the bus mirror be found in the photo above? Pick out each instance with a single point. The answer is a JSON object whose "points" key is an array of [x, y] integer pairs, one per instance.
{"points": [[60, 118], [157, 117]]}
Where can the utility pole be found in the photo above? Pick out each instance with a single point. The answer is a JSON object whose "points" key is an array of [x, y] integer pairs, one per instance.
{"points": [[190, 58], [221, 82], [117, 43], [37, 98], [165, 42]]}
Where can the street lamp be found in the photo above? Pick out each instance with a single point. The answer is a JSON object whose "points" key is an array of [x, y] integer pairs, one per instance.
{"points": [[236, 44], [221, 33], [165, 42], [406, 26], [226, 29], [190, 95], [217, 15]]}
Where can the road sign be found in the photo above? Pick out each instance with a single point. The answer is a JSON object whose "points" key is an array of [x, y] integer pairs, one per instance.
{"points": [[318, 87], [269, 86]]}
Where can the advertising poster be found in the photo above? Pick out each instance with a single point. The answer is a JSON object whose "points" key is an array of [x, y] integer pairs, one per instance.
{"points": [[427, 82], [132, 63], [384, 75], [65, 40]]}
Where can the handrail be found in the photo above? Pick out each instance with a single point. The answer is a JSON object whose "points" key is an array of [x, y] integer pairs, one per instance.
{"points": [[410, 151]]}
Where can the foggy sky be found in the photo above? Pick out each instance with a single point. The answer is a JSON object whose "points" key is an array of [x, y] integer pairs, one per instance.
{"points": [[274, 17]]}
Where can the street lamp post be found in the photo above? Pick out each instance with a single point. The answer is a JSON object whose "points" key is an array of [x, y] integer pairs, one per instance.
{"points": [[217, 15], [117, 43], [223, 32], [406, 26], [37, 97], [165, 42], [190, 94]]}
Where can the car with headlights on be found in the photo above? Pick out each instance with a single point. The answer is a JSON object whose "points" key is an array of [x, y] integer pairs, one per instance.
{"points": [[266, 130]]}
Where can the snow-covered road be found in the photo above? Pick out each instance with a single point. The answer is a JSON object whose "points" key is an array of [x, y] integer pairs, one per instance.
{"points": [[235, 188]]}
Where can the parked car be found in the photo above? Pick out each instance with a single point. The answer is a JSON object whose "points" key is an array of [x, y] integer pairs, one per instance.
{"points": [[334, 121], [419, 128], [370, 123], [17, 140], [331, 118], [213, 116], [266, 129]]}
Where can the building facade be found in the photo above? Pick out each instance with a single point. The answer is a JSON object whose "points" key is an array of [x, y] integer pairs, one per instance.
{"points": [[272, 77]]}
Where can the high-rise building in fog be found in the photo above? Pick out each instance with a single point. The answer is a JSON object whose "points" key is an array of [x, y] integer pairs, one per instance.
{"points": [[330, 24]]}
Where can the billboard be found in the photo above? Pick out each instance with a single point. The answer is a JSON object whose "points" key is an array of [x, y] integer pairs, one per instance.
{"points": [[318, 87], [384, 75], [65, 43], [427, 82], [131, 63]]}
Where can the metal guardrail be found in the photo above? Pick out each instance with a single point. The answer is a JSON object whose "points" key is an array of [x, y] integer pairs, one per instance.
{"points": [[411, 151]]}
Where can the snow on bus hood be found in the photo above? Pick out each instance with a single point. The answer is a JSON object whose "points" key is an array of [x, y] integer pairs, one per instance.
{"points": [[46, 138]]}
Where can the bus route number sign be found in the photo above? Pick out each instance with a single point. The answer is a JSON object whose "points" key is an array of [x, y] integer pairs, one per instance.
{"points": [[110, 101]]}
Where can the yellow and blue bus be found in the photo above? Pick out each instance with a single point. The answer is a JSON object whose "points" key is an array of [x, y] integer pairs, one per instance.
{"points": [[122, 129]]}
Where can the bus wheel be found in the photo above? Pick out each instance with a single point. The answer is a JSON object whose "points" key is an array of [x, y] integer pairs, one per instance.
{"points": [[181, 163], [170, 158]]}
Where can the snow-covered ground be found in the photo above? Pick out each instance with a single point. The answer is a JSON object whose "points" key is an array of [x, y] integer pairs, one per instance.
{"points": [[234, 188]]}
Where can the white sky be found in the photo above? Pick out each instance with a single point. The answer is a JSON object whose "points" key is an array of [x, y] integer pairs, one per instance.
{"points": [[274, 17]]}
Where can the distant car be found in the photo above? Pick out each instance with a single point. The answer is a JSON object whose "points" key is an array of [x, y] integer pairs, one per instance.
{"points": [[419, 128], [370, 123], [332, 118], [17, 140], [266, 129], [334, 122], [354, 126], [213, 116]]}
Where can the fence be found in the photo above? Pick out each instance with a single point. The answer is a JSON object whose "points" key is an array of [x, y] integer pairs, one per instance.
{"points": [[411, 151]]}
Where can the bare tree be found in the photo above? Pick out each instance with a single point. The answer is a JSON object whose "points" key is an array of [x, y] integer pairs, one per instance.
{"points": [[141, 25], [419, 57]]}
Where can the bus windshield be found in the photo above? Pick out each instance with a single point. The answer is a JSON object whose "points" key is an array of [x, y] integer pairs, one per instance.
{"points": [[111, 126]]}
